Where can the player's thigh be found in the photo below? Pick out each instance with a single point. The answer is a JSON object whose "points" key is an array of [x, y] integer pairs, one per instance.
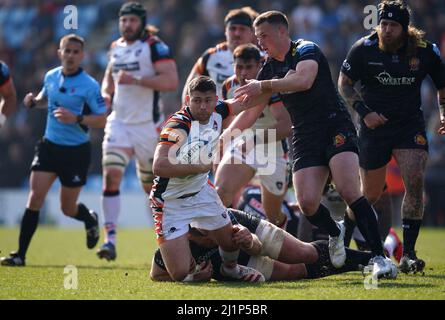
{"points": [[40, 182], [286, 272], [230, 177], [144, 138], [296, 251], [309, 184], [177, 256]]}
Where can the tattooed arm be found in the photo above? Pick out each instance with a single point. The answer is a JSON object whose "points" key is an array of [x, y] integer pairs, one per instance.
{"points": [[441, 100], [346, 88]]}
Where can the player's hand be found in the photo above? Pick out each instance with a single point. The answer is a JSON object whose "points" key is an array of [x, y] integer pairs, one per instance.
{"points": [[242, 236], [29, 101], [65, 116], [249, 90], [124, 77], [441, 129], [373, 120]]}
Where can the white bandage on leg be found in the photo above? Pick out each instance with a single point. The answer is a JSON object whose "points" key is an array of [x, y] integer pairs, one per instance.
{"points": [[145, 174], [271, 237], [190, 276], [262, 264], [116, 159]]}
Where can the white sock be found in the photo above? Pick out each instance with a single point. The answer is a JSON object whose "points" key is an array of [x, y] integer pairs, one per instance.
{"points": [[111, 206]]}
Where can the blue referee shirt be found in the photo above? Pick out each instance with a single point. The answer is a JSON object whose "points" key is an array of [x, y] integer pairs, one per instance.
{"points": [[79, 93]]}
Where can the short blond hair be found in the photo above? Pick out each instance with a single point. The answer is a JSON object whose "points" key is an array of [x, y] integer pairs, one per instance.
{"points": [[71, 37]]}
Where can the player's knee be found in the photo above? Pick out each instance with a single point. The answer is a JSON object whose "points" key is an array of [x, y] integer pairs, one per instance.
{"points": [[36, 199], [308, 204], [146, 177], [114, 163], [179, 274], [349, 193], [68, 209]]}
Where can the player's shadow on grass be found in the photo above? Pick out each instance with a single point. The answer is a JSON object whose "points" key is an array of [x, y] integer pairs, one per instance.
{"points": [[386, 284]]}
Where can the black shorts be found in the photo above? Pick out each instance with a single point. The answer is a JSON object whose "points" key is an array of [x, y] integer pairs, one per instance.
{"points": [[316, 146], [70, 163], [376, 146]]}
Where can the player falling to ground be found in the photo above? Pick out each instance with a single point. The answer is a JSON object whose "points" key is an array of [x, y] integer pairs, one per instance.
{"points": [[324, 137], [8, 96], [140, 67], [265, 247], [244, 165], [182, 193], [391, 65], [74, 103], [217, 62]]}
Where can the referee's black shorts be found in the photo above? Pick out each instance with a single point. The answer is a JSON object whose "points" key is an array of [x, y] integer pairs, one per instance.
{"points": [[70, 163], [315, 146], [376, 146]]}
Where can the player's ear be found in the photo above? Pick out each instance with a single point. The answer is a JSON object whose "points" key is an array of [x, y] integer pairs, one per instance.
{"points": [[59, 53], [187, 100]]}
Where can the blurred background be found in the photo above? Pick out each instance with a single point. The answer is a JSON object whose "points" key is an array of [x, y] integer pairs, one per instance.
{"points": [[29, 37]]}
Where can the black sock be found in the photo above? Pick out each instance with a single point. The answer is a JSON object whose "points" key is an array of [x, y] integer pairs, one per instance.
{"points": [[366, 220], [410, 232], [28, 226], [323, 266], [322, 219], [354, 258], [349, 229], [83, 214]]}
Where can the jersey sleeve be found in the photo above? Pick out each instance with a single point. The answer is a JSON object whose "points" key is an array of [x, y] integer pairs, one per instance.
{"points": [[44, 90], [223, 109], [437, 71], [352, 65], [4, 74], [173, 130], [308, 50], [95, 100], [159, 51], [200, 66]]}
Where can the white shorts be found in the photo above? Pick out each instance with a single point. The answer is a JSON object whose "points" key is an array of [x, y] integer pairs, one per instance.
{"points": [[203, 210], [141, 137], [274, 178]]}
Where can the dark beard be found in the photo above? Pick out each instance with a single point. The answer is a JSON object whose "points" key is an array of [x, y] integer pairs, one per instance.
{"points": [[391, 47]]}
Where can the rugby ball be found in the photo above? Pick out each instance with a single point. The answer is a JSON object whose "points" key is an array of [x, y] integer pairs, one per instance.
{"points": [[194, 151]]}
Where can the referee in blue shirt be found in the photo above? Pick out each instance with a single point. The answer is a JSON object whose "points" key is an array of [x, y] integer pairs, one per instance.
{"points": [[74, 104]]}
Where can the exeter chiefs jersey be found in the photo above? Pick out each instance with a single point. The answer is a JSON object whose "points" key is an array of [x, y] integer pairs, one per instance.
{"points": [[391, 82], [216, 63], [207, 134], [265, 120], [134, 103], [319, 105]]}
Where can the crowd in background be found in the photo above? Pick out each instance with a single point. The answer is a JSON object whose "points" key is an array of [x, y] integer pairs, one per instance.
{"points": [[30, 32]]}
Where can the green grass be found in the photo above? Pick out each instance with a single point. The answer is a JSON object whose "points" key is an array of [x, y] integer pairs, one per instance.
{"points": [[127, 278]]}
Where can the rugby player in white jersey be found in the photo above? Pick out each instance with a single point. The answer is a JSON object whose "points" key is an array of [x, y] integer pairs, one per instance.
{"points": [[182, 193], [140, 67]]}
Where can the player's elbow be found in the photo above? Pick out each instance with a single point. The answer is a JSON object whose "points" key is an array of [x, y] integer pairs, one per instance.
{"points": [[161, 168], [172, 83], [307, 84]]}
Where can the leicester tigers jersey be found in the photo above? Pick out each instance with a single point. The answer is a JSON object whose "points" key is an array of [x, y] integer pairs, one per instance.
{"points": [[208, 134], [216, 63], [134, 103]]}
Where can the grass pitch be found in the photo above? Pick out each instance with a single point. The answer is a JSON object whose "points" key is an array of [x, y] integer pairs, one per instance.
{"points": [[53, 249]]}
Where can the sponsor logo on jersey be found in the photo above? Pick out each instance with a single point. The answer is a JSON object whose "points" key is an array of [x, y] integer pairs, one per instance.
{"points": [[414, 64], [387, 80], [131, 66], [420, 140]]}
